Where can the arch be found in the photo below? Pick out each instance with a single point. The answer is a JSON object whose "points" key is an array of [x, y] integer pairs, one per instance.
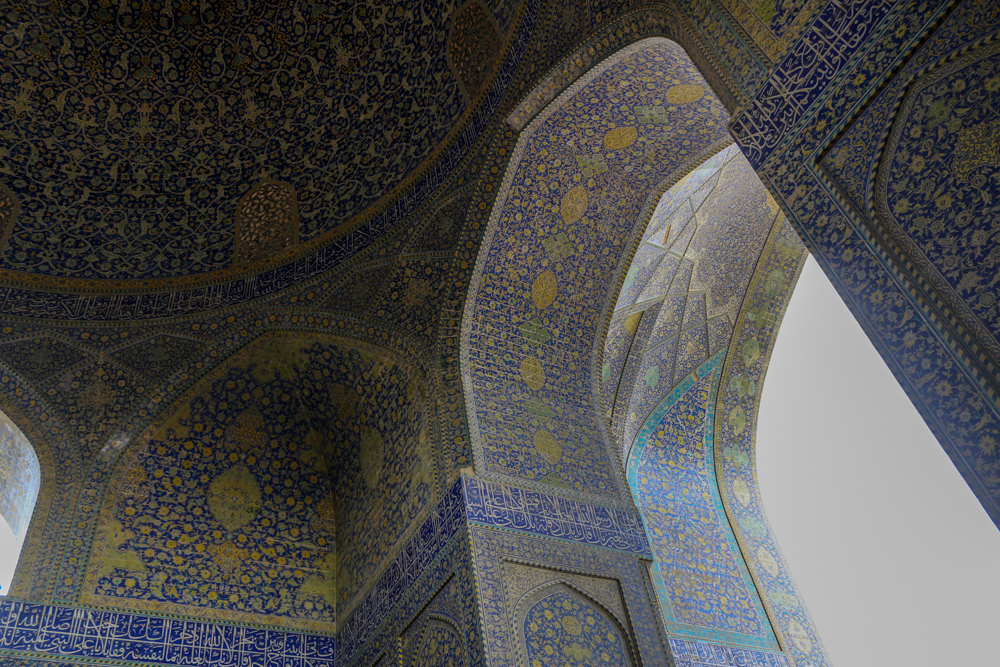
{"points": [[20, 480], [289, 435], [688, 346], [568, 210], [439, 644], [735, 462], [67, 566], [59, 486], [553, 611]]}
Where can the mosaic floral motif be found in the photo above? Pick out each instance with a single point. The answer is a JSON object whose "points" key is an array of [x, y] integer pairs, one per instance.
{"points": [[438, 233], [267, 222], [565, 630], [698, 564], [940, 196], [158, 357], [440, 646], [20, 476], [38, 359], [573, 197], [166, 117], [229, 505]]}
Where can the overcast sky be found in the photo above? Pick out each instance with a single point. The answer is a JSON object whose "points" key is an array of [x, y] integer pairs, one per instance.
{"points": [[896, 559], [10, 547]]}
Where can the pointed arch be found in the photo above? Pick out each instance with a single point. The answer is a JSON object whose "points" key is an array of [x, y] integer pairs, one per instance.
{"points": [[579, 640]]}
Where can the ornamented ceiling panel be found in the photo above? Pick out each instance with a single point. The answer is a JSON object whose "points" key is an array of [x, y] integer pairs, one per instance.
{"points": [[134, 131], [686, 282]]}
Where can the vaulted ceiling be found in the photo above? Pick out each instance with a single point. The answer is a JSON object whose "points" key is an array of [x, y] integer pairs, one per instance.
{"points": [[153, 145]]}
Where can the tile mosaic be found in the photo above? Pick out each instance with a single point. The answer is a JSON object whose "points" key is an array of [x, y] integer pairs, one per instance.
{"points": [[36, 631], [566, 212]]}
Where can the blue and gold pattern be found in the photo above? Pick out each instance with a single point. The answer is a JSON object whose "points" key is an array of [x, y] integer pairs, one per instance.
{"points": [[942, 358], [570, 202], [735, 421], [159, 120], [706, 591], [503, 582], [108, 376], [566, 630], [238, 502], [712, 225]]}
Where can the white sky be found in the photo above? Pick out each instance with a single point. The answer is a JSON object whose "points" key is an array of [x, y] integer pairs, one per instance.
{"points": [[10, 548], [895, 557]]}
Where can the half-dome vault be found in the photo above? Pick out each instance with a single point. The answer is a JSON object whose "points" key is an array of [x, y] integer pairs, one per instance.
{"points": [[133, 131]]}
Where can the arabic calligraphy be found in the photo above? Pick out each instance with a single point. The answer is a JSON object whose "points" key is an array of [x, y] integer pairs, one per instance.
{"points": [[804, 74], [92, 633], [503, 506]]}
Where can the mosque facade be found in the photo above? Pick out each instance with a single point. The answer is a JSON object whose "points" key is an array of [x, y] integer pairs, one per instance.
{"points": [[432, 334]]}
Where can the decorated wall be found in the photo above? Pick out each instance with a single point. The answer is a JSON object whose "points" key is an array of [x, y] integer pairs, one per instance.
{"points": [[274, 493], [563, 222], [182, 183], [885, 171], [717, 249]]}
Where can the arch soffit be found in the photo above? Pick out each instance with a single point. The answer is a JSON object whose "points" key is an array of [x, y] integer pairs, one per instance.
{"points": [[523, 605], [742, 366], [735, 430], [493, 233]]}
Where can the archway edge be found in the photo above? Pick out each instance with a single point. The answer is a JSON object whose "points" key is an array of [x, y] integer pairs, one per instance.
{"points": [[31, 577], [619, 199]]}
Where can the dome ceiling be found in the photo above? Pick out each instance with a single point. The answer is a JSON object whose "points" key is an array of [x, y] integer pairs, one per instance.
{"points": [[165, 143]]}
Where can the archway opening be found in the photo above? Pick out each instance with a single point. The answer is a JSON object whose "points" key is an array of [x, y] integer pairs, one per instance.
{"points": [[20, 478], [873, 518], [686, 352]]}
